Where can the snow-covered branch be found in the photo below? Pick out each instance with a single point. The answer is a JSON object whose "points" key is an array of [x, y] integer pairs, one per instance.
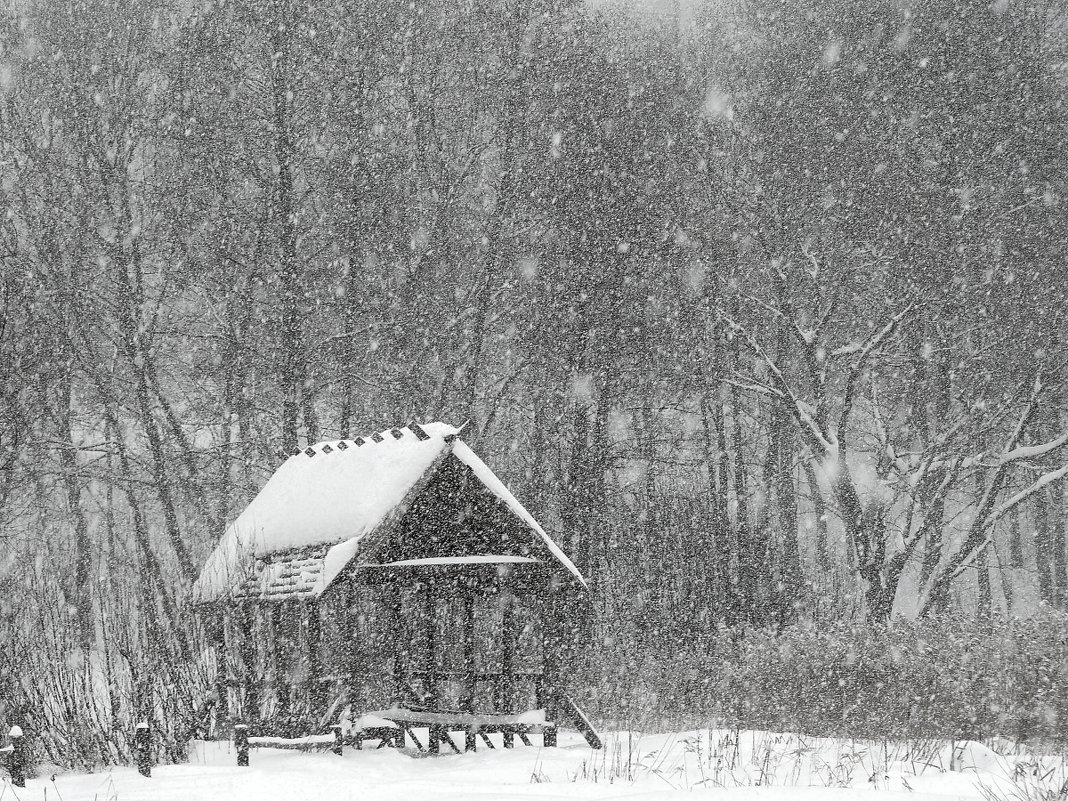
{"points": [[873, 342], [801, 411], [1032, 451], [1052, 477]]}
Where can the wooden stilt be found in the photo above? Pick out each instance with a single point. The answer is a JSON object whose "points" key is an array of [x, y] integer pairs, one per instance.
{"points": [[505, 685], [548, 737], [17, 763], [317, 690], [222, 694], [143, 748], [245, 623], [396, 608], [549, 628], [429, 656], [467, 703], [241, 744], [284, 616]]}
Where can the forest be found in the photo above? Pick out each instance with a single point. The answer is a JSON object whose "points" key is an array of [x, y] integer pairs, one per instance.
{"points": [[758, 305]]}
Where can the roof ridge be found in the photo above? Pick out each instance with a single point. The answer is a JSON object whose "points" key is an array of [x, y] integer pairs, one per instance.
{"points": [[393, 432]]}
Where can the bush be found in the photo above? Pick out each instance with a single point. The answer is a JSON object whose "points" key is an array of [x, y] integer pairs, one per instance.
{"points": [[943, 677]]}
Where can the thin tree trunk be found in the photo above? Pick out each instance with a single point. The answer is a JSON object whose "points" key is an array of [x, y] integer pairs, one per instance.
{"points": [[83, 556]]}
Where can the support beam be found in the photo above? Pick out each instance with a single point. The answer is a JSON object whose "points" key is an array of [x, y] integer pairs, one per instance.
{"points": [[430, 652], [282, 631], [216, 622], [245, 625], [317, 689], [551, 642], [241, 744], [467, 703], [395, 604], [506, 684]]}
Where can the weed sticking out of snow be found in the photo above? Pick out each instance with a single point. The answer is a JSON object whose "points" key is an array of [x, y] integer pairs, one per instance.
{"points": [[725, 759], [720, 764]]}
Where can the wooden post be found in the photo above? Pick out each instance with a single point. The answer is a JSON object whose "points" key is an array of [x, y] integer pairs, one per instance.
{"points": [[241, 744], [470, 739], [143, 748], [339, 739], [396, 606], [285, 626], [548, 623], [218, 643], [548, 736], [246, 616], [17, 766], [348, 650], [429, 662], [505, 686], [467, 703], [317, 696]]}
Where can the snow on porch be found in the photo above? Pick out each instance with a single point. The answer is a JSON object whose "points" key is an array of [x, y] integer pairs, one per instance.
{"points": [[706, 765], [306, 524]]}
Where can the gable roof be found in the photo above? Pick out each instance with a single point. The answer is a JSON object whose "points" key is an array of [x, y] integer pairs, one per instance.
{"points": [[306, 524]]}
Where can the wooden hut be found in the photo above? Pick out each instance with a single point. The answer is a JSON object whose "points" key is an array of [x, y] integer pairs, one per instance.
{"points": [[384, 570]]}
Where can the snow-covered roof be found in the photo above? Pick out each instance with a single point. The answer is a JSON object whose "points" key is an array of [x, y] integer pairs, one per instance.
{"points": [[306, 524]]}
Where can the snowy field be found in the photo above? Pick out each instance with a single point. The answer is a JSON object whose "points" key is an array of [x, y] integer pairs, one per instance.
{"points": [[692, 765]]}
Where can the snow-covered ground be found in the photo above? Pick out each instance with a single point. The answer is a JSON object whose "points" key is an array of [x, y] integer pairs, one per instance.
{"points": [[691, 765]]}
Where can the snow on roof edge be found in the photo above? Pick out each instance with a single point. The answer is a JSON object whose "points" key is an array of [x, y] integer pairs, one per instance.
{"points": [[244, 539], [235, 552], [462, 451]]}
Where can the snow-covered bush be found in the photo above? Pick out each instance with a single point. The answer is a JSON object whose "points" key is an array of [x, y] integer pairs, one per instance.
{"points": [[946, 677]]}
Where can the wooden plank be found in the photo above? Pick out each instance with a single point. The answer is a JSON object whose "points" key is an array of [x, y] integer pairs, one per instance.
{"points": [[430, 652], [549, 616], [407, 730], [548, 737], [396, 610], [384, 734], [505, 684], [281, 632], [315, 633], [446, 737], [244, 623], [218, 641], [458, 720], [467, 702], [241, 744], [582, 723], [294, 744]]}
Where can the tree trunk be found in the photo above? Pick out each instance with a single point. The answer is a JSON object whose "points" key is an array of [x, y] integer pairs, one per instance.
{"points": [[83, 557]]}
